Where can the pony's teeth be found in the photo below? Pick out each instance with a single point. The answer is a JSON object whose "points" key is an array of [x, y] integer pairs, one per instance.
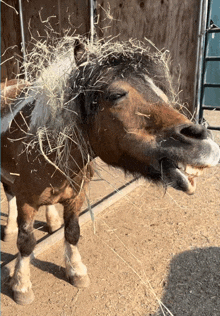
{"points": [[181, 166], [193, 170], [190, 170]]}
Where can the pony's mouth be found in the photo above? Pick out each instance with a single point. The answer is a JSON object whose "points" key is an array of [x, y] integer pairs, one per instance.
{"points": [[190, 172], [180, 176]]}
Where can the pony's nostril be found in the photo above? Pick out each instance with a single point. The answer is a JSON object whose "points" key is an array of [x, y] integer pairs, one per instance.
{"points": [[194, 131]]}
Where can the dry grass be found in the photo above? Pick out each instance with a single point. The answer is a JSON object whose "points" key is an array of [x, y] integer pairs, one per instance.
{"points": [[56, 82]]}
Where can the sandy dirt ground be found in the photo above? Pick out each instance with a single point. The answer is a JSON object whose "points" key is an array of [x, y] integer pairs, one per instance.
{"points": [[152, 254]]}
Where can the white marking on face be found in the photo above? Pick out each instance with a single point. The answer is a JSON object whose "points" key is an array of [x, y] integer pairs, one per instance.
{"points": [[156, 90]]}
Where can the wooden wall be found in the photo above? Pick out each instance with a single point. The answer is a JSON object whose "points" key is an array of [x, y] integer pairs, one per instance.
{"points": [[10, 37], [62, 15], [170, 24]]}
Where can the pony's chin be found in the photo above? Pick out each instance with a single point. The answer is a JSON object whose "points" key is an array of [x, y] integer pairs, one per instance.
{"points": [[184, 182], [179, 176]]}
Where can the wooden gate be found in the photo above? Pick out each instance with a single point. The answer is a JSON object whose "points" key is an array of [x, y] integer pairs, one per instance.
{"points": [[208, 89]]}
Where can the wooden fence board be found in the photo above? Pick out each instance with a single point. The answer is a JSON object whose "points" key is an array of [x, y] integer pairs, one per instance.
{"points": [[10, 39], [63, 16], [171, 25]]}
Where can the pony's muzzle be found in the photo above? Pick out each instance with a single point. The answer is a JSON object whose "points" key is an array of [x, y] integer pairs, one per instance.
{"points": [[195, 132]]}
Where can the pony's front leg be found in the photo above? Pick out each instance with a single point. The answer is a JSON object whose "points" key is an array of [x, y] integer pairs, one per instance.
{"points": [[76, 271], [21, 283]]}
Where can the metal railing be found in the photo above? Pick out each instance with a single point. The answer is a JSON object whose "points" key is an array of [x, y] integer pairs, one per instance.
{"points": [[208, 27]]}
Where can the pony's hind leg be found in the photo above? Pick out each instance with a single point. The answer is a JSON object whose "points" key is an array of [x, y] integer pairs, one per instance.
{"points": [[76, 271], [11, 229], [21, 283], [53, 218]]}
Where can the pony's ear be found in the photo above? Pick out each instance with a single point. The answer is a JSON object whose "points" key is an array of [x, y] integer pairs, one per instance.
{"points": [[79, 51]]}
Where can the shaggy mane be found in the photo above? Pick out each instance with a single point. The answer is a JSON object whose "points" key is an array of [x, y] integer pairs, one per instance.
{"points": [[58, 79], [64, 89]]}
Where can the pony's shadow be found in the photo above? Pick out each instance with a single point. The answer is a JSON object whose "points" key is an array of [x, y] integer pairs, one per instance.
{"points": [[193, 284], [58, 271]]}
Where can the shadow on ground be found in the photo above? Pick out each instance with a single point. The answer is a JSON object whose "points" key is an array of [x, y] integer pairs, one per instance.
{"points": [[49, 267], [193, 284], [57, 271]]}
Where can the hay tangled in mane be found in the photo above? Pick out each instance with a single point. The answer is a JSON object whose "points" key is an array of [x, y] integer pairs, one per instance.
{"points": [[54, 65], [57, 82]]}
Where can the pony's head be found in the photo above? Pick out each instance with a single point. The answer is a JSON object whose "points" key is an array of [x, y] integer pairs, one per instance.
{"points": [[127, 106]]}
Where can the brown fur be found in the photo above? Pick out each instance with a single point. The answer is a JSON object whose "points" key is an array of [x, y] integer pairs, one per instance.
{"points": [[116, 115]]}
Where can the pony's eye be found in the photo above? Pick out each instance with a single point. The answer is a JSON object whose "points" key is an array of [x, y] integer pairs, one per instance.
{"points": [[116, 96]]}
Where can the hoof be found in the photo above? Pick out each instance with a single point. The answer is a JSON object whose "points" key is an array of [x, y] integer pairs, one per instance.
{"points": [[80, 281], [24, 298]]}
